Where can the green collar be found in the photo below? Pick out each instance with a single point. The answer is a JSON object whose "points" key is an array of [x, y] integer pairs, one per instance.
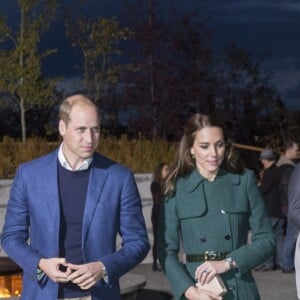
{"points": [[193, 179]]}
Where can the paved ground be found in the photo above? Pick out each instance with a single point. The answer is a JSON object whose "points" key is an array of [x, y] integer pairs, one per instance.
{"points": [[272, 285]]}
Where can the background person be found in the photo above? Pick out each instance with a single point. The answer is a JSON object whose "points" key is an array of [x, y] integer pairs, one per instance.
{"points": [[211, 204], [286, 165], [269, 186], [65, 211], [294, 216], [159, 174]]}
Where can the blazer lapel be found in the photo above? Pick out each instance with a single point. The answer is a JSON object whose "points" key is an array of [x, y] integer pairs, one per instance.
{"points": [[50, 191], [96, 183]]}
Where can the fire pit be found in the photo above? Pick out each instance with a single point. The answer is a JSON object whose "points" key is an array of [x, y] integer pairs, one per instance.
{"points": [[10, 279]]}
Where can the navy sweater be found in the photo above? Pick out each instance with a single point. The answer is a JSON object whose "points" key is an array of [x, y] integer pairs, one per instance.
{"points": [[73, 189]]}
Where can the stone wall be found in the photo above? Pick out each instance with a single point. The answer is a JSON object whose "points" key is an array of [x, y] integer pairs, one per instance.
{"points": [[4, 194]]}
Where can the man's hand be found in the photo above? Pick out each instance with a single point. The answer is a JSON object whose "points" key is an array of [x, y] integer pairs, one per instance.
{"points": [[86, 275], [53, 268]]}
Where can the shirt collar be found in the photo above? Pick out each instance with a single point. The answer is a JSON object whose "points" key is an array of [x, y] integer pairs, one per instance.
{"points": [[63, 161]]}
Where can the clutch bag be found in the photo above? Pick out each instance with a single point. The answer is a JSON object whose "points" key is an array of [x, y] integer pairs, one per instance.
{"points": [[216, 285]]}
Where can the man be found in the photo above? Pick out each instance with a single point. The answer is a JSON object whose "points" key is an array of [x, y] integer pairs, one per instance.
{"points": [[294, 215], [286, 164], [270, 191], [65, 211]]}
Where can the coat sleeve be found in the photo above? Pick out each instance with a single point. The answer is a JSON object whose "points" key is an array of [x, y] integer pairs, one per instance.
{"points": [[267, 182], [262, 244], [294, 197], [168, 249], [285, 175]]}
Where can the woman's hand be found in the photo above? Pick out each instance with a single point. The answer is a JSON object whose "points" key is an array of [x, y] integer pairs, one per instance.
{"points": [[206, 271], [193, 293]]}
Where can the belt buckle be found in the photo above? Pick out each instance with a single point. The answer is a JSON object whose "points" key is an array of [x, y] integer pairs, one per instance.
{"points": [[210, 255]]}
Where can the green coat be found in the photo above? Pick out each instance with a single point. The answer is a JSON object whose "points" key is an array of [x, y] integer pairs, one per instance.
{"points": [[215, 216]]}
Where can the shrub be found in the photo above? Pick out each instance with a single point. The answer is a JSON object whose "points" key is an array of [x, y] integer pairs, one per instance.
{"points": [[140, 155]]}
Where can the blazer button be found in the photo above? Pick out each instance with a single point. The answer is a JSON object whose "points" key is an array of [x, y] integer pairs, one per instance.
{"points": [[202, 239], [231, 288], [227, 237]]}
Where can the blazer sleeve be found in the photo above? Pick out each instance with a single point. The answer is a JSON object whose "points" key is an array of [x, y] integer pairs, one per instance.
{"points": [[14, 239], [294, 197], [132, 229]]}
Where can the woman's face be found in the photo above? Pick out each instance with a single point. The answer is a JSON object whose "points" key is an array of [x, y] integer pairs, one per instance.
{"points": [[164, 171], [208, 150]]}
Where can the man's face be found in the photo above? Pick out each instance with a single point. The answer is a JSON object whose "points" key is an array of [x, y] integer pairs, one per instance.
{"points": [[294, 151], [81, 135]]}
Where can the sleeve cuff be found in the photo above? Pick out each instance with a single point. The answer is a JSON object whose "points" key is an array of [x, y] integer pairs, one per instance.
{"points": [[39, 274], [105, 276]]}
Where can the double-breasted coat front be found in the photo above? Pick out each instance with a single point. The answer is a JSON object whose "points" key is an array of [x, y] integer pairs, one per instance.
{"points": [[215, 216]]}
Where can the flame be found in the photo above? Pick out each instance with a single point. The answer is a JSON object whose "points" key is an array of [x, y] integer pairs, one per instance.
{"points": [[10, 286], [4, 293]]}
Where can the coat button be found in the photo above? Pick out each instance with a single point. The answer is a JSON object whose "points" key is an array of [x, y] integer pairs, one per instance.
{"points": [[231, 288], [227, 237], [202, 239]]}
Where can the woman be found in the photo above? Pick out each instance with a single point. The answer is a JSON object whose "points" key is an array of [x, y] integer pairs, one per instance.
{"points": [[211, 204], [159, 174]]}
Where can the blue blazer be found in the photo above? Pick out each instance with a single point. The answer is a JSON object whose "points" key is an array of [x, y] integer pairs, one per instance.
{"points": [[113, 206]]}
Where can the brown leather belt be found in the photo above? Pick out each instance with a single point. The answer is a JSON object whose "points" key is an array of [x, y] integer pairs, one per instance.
{"points": [[207, 255]]}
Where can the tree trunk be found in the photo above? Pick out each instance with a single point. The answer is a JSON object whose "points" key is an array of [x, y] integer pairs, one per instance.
{"points": [[152, 88], [23, 121], [21, 60]]}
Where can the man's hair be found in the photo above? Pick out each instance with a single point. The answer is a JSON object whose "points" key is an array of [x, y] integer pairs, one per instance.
{"points": [[289, 144], [71, 100]]}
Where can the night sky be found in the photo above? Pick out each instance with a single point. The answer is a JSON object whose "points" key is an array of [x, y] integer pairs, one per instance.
{"points": [[260, 27]]}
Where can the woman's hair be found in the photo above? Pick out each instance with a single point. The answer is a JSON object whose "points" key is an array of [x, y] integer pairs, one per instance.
{"points": [[157, 172], [185, 163]]}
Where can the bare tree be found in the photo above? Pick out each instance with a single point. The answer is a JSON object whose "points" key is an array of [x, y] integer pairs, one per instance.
{"points": [[20, 61], [172, 58], [99, 43]]}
